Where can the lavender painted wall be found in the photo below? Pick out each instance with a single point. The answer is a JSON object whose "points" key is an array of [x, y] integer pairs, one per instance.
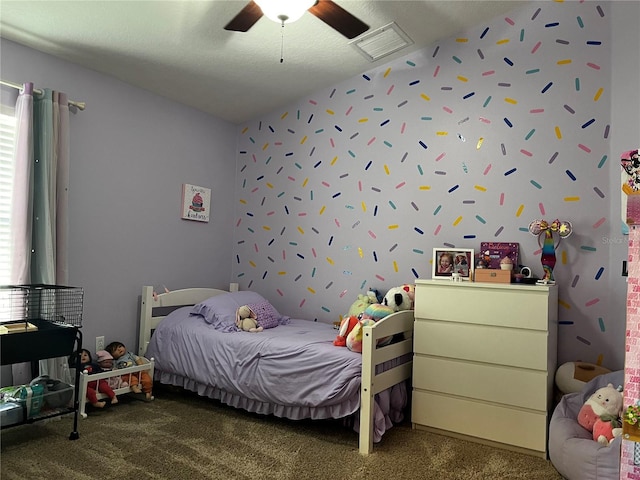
{"points": [[464, 142], [131, 151]]}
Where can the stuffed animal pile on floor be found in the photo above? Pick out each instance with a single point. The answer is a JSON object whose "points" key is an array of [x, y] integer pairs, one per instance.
{"points": [[370, 308]]}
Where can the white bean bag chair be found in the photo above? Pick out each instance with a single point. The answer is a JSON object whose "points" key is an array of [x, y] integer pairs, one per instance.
{"points": [[572, 449]]}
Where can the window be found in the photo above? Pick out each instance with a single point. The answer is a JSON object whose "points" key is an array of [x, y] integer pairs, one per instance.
{"points": [[7, 142]]}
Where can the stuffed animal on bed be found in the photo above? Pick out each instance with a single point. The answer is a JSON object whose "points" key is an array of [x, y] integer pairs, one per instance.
{"points": [[359, 306], [346, 326], [375, 295], [400, 298], [246, 320], [371, 315], [601, 413]]}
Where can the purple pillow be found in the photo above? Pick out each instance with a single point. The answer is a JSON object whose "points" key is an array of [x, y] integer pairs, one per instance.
{"points": [[266, 315], [220, 310]]}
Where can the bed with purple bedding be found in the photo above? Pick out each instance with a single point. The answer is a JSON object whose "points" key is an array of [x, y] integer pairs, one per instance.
{"points": [[292, 370]]}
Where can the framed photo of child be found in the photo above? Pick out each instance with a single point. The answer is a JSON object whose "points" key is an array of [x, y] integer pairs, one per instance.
{"points": [[447, 261]]}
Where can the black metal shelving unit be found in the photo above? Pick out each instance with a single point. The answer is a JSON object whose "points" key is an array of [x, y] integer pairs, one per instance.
{"points": [[43, 321]]}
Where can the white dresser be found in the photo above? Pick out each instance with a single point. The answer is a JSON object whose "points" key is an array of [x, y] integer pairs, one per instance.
{"points": [[484, 361]]}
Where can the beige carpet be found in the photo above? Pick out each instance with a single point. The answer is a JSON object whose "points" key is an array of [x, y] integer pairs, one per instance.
{"points": [[181, 436]]}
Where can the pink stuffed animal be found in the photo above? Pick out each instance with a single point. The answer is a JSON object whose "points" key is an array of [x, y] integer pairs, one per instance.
{"points": [[604, 431], [600, 414]]}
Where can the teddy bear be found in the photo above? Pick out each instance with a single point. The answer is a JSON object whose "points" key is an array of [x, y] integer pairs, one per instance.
{"points": [[400, 298], [601, 413], [246, 320]]}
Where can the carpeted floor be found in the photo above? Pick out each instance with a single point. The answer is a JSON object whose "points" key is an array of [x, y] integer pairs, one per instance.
{"points": [[181, 436]]}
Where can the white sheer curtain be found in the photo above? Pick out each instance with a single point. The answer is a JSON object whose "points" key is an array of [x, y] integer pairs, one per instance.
{"points": [[22, 205], [40, 199]]}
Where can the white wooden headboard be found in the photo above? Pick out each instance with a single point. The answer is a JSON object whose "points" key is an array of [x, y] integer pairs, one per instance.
{"points": [[149, 319]]}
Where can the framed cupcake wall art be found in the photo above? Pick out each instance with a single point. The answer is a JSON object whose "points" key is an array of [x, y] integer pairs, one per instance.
{"points": [[196, 202]]}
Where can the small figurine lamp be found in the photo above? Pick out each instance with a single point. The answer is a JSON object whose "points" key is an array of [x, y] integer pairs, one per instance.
{"points": [[549, 246]]}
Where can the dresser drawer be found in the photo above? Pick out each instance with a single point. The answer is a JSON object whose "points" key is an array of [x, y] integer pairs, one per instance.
{"points": [[525, 429], [503, 346], [491, 383], [529, 307]]}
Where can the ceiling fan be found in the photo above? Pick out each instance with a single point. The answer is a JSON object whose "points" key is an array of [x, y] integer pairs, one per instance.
{"points": [[326, 10]]}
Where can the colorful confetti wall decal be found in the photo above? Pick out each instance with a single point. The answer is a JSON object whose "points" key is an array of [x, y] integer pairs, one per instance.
{"points": [[353, 187]]}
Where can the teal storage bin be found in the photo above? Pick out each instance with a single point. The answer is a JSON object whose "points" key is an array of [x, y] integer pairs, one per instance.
{"points": [[33, 397]]}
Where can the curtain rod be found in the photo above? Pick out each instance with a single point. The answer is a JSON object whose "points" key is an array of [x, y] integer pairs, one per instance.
{"points": [[78, 105]]}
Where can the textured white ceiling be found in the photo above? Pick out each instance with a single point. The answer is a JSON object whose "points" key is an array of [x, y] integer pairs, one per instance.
{"points": [[180, 50]]}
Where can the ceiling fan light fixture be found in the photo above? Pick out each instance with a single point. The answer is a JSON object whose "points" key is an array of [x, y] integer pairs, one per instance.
{"points": [[284, 11]]}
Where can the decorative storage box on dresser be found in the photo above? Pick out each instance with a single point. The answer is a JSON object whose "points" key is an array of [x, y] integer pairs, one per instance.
{"points": [[484, 361]]}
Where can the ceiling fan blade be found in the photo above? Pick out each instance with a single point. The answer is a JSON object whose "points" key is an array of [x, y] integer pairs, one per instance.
{"points": [[244, 20], [338, 18]]}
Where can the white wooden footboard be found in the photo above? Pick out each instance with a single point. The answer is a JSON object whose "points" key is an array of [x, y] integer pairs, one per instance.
{"points": [[134, 371], [372, 383]]}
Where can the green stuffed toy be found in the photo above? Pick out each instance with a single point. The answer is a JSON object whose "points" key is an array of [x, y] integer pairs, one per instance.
{"points": [[358, 307]]}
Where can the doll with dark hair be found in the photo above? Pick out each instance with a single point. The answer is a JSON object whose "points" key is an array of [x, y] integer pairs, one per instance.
{"points": [[87, 364], [124, 359]]}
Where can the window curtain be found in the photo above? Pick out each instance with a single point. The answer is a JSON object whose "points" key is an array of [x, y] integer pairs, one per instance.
{"points": [[40, 202]]}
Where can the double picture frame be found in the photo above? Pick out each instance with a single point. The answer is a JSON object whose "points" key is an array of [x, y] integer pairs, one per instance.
{"points": [[446, 261]]}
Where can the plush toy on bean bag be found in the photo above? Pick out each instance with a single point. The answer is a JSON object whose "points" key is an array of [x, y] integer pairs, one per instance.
{"points": [[246, 320], [607, 429], [601, 413], [573, 376], [400, 298], [371, 315]]}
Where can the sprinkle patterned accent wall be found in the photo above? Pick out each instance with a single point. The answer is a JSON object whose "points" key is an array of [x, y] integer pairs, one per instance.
{"points": [[464, 142]]}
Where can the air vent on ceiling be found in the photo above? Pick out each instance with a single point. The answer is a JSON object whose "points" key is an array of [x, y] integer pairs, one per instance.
{"points": [[381, 42]]}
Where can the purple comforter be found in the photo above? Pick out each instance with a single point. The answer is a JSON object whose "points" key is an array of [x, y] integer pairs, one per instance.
{"points": [[291, 371]]}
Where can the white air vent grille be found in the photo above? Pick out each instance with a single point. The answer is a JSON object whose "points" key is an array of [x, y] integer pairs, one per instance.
{"points": [[382, 42]]}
